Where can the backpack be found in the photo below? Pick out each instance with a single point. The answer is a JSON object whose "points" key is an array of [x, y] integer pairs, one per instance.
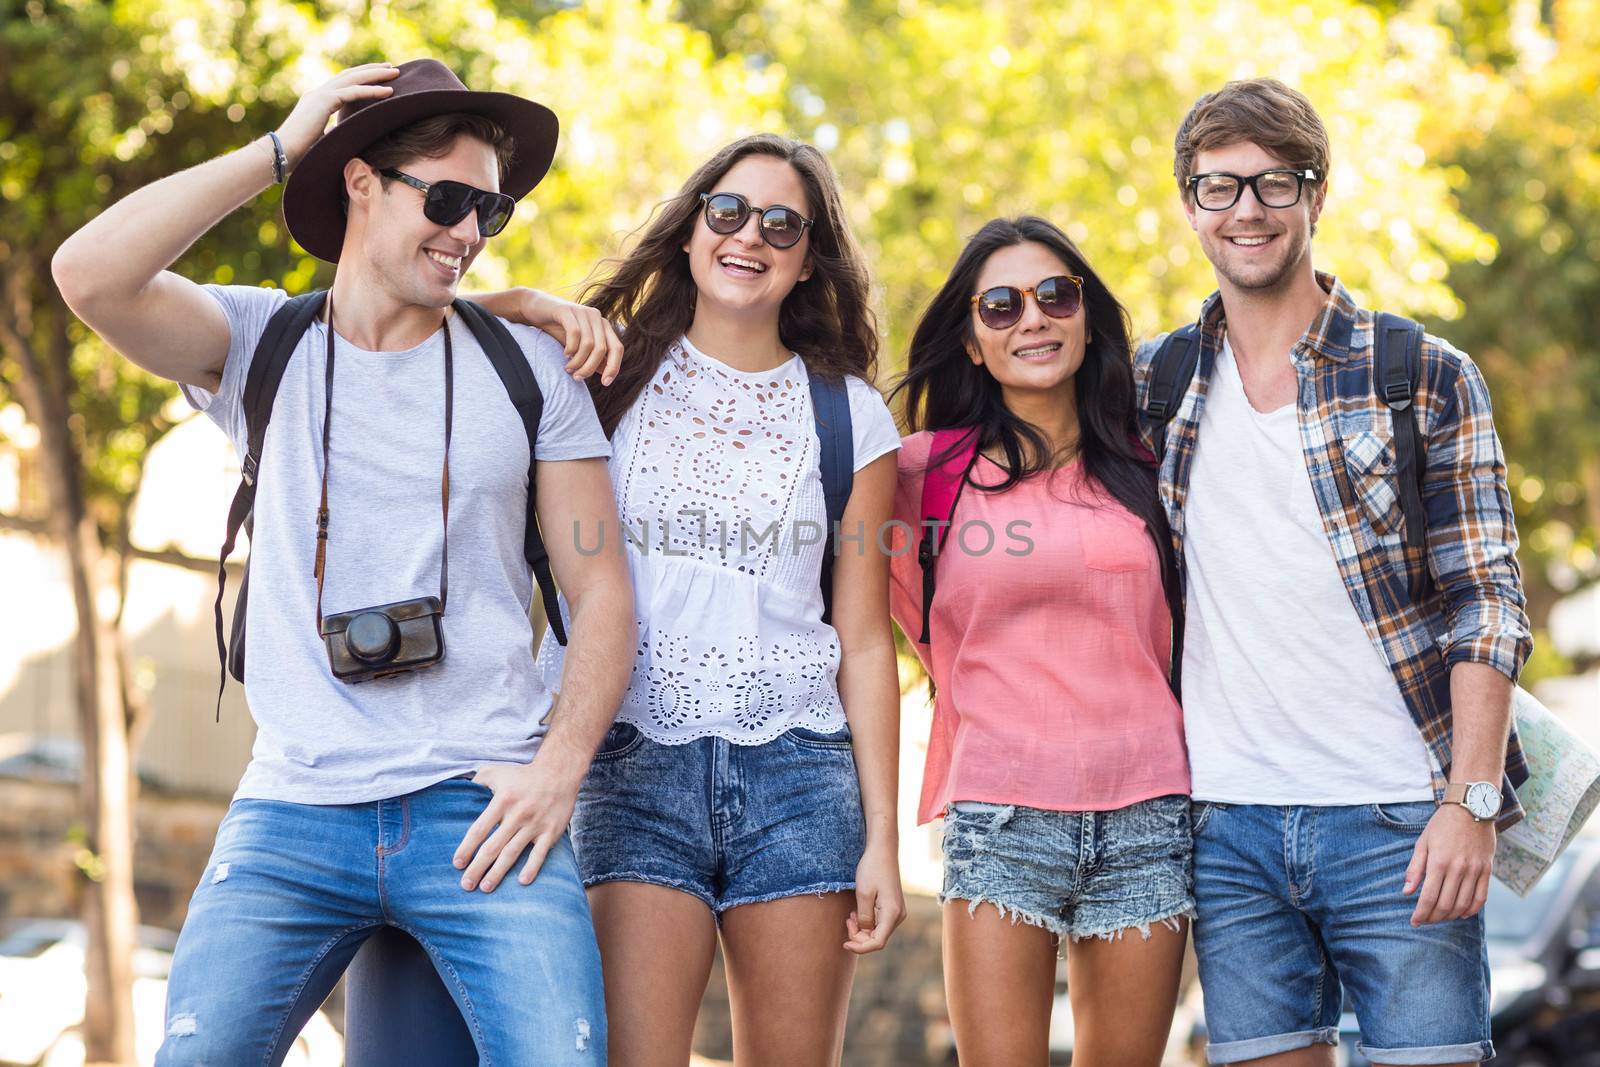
{"points": [[1396, 368], [830, 407], [942, 484], [830, 412], [273, 351], [272, 354]]}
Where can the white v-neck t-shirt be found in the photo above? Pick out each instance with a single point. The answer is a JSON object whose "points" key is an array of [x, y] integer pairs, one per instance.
{"points": [[1285, 699]]}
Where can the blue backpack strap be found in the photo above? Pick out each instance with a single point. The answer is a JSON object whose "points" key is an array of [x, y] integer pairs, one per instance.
{"points": [[1170, 374], [511, 364], [272, 354], [830, 406]]}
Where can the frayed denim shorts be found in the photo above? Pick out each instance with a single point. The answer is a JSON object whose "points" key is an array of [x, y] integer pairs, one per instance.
{"points": [[729, 824], [1077, 874]]}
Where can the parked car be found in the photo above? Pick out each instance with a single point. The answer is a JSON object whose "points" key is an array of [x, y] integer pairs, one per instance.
{"points": [[1544, 971], [42, 991]]}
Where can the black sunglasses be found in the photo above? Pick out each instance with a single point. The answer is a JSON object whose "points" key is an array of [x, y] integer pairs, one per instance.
{"points": [[1060, 297], [1219, 190], [781, 227], [447, 203]]}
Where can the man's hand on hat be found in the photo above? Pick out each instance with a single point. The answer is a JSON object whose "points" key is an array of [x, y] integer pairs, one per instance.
{"points": [[309, 119]]}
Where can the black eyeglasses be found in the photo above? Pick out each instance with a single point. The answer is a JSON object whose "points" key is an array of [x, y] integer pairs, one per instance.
{"points": [[1218, 191], [447, 203], [1060, 297], [781, 227]]}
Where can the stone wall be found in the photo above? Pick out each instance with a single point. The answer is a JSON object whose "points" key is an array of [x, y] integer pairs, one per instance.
{"points": [[37, 852]]}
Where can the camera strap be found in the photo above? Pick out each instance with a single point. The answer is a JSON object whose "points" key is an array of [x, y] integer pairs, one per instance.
{"points": [[320, 567]]}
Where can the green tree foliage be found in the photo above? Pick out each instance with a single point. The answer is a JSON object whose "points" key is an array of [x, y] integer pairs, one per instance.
{"points": [[941, 115], [95, 100], [99, 99], [1465, 188], [1524, 158]]}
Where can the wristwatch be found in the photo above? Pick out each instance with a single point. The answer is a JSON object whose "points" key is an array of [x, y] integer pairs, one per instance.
{"points": [[1481, 799]]}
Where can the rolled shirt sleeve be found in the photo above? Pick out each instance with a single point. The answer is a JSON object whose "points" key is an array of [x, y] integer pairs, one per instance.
{"points": [[1472, 532]]}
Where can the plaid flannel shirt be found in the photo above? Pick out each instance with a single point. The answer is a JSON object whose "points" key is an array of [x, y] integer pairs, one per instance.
{"points": [[1473, 611]]}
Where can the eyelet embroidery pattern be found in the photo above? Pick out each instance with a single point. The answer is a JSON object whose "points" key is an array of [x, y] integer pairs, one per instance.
{"points": [[708, 450], [703, 450]]}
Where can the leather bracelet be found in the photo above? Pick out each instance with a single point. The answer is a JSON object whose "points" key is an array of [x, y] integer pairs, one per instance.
{"points": [[280, 162]]}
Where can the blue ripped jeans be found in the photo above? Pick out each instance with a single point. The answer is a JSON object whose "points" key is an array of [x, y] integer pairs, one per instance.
{"points": [[292, 890]]}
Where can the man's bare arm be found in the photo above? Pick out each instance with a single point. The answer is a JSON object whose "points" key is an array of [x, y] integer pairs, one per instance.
{"points": [[533, 802], [599, 592], [1454, 858], [113, 272]]}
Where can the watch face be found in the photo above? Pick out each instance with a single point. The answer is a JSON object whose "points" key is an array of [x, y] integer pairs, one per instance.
{"points": [[1483, 800]]}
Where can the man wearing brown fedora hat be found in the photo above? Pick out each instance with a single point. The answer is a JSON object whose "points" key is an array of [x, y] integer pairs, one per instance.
{"points": [[408, 799]]}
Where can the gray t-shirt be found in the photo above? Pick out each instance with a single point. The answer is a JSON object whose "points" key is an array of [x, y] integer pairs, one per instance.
{"points": [[323, 741]]}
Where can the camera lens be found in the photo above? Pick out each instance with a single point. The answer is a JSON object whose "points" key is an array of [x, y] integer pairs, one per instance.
{"points": [[372, 637]]}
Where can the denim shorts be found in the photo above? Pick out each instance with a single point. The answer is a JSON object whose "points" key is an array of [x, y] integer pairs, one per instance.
{"points": [[1075, 873], [1295, 903], [730, 824]]}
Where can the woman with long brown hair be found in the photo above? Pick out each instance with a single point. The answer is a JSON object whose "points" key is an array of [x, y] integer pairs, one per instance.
{"points": [[747, 791]]}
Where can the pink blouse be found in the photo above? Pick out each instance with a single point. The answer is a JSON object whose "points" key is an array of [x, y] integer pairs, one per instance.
{"points": [[1050, 644]]}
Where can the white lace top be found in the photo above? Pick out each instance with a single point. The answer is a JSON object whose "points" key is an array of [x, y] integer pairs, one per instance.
{"points": [[718, 483]]}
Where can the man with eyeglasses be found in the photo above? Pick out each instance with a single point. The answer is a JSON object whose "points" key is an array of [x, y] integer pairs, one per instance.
{"points": [[1349, 658], [430, 796]]}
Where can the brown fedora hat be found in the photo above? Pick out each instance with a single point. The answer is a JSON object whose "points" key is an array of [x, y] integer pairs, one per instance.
{"points": [[423, 88]]}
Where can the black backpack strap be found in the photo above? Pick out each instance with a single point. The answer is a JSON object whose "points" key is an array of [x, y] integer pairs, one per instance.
{"points": [[1396, 364], [830, 406], [511, 364], [273, 351], [1170, 374], [1396, 369]]}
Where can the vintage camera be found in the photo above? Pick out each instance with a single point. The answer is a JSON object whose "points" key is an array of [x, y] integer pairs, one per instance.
{"points": [[367, 643]]}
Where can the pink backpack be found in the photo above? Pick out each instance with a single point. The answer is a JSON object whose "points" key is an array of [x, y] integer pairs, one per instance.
{"points": [[941, 490]]}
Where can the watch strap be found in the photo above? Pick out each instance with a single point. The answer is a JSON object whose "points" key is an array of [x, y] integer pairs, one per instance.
{"points": [[1458, 792]]}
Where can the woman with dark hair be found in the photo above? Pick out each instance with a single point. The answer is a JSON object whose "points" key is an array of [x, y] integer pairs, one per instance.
{"points": [[748, 788], [1057, 754]]}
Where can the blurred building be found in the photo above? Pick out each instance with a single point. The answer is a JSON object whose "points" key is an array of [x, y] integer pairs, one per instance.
{"points": [[182, 506]]}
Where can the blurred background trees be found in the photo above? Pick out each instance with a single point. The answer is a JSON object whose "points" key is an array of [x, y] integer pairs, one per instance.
{"points": [[1465, 189]]}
